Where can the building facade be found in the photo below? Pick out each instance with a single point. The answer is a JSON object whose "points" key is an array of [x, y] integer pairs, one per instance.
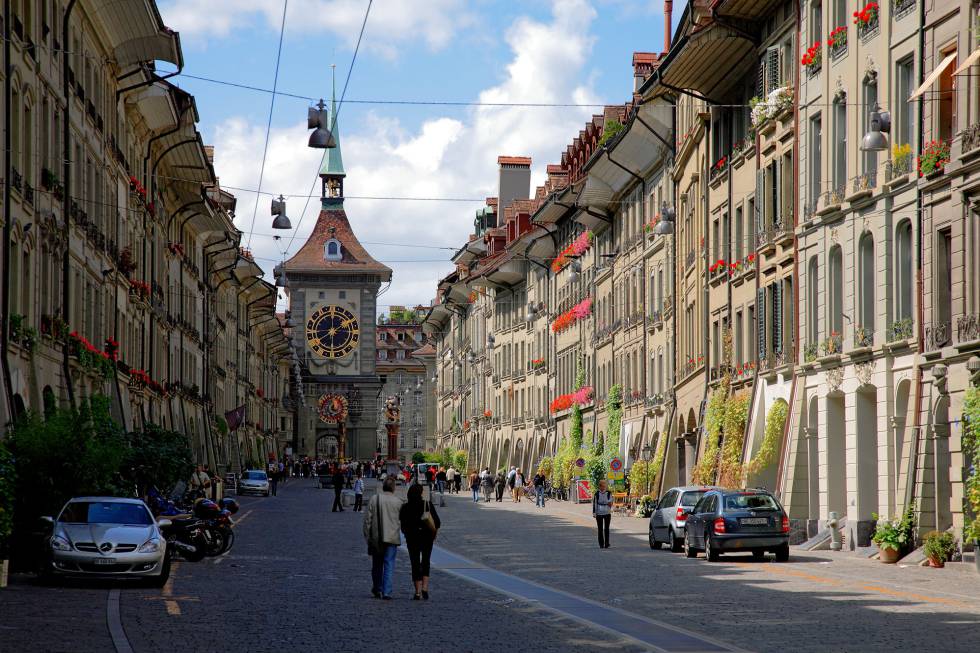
{"points": [[725, 239], [405, 364], [123, 274]]}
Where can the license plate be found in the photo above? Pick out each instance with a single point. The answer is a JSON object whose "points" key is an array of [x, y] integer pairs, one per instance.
{"points": [[754, 521], [105, 561]]}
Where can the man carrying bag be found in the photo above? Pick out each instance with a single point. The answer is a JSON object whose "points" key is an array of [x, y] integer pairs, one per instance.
{"points": [[382, 531]]}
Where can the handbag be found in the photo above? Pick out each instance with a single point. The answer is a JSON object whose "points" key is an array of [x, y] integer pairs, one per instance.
{"points": [[427, 521]]}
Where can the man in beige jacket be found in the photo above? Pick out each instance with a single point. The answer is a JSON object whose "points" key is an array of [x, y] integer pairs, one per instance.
{"points": [[382, 531]]}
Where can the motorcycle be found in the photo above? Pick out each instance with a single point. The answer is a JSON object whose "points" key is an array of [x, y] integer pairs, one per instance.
{"points": [[185, 537]]}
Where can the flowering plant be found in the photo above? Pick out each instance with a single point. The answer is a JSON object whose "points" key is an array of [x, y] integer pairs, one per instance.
{"points": [[563, 402], [578, 312], [777, 100], [648, 227], [720, 163], [833, 344], [867, 17], [488, 413], [813, 57], [466, 425], [112, 348], [578, 247], [139, 288], [838, 38], [260, 393], [934, 156], [537, 363], [751, 258], [718, 265], [91, 358]]}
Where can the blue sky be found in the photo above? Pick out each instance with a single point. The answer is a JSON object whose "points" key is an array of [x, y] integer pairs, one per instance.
{"points": [[573, 51]]}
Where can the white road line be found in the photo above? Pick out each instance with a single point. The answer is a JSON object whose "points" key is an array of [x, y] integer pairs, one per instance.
{"points": [[114, 623]]}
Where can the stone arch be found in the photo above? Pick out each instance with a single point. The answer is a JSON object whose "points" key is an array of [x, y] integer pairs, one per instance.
{"points": [[813, 458], [19, 408], [836, 475], [519, 453], [897, 443], [503, 457], [866, 454]]}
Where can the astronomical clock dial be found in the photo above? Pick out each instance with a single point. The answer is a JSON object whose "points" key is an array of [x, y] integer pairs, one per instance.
{"points": [[332, 332]]}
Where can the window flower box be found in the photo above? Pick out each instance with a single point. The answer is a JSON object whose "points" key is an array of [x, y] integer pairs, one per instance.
{"points": [[813, 59], [867, 20], [837, 42], [935, 155]]}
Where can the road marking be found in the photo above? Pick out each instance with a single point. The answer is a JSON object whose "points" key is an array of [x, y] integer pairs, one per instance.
{"points": [[114, 622], [652, 634], [173, 608], [242, 518]]}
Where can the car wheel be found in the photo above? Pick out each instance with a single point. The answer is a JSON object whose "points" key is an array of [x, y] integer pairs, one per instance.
{"points": [[782, 553], [758, 555], [689, 551], [676, 543], [654, 544], [710, 552]]}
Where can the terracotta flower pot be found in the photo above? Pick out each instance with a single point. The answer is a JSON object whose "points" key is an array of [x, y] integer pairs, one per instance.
{"points": [[888, 556], [937, 563]]}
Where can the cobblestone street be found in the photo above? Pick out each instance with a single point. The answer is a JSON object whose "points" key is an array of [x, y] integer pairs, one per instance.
{"points": [[298, 578]]}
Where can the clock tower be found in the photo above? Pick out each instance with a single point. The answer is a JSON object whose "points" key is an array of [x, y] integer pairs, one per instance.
{"points": [[332, 284]]}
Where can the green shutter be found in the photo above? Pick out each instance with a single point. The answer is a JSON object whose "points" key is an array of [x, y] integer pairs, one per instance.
{"points": [[777, 318], [760, 311]]}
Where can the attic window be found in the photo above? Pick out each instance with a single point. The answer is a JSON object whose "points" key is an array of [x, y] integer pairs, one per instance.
{"points": [[332, 250]]}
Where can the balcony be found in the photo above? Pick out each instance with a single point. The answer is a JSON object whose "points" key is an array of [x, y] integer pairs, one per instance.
{"points": [[864, 338], [900, 167], [868, 29], [831, 200], [937, 335], [902, 8], [16, 180], [862, 186], [689, 260], [899, 330], [668, 305]]}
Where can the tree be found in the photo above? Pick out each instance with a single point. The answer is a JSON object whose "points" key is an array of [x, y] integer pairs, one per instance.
{"points": [[418, 457], [157, 458]]}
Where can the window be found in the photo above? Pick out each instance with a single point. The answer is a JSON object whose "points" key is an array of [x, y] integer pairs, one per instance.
{"points": [[944, 277], [812, 301], [903, 266], [840, 144], [947, 98], [332, 251], [835, 289], [816, 21], [815, 160], [383, 336], [866, 268], [739, 234], [904, 111], [400, 354], [841, 17]]}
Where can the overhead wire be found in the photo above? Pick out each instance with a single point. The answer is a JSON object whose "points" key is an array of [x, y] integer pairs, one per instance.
{"points": [[268, 126]]}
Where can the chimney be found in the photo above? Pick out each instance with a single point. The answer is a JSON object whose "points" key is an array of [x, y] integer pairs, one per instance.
{"points": [[668, 10], [514, 181], [643, 64]]}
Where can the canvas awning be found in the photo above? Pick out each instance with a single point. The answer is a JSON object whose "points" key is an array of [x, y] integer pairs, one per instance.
{"points": [[933, 76]]}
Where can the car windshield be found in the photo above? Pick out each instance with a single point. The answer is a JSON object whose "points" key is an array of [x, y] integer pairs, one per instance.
{"points": [[689, 499], [105, 512], [254, 476], [750, 502]]}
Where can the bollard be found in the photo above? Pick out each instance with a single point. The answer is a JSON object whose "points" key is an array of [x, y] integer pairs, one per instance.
{"points": [[835, 540]]}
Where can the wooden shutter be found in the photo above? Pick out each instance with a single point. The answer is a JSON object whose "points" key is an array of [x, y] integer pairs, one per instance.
{"points": [[760, 80], [777, 317], [760, 311], [773, 75], [777, 193], [760, 202]]}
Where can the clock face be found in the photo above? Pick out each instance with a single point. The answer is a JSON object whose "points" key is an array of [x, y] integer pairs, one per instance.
{"points": [[332, 332]]}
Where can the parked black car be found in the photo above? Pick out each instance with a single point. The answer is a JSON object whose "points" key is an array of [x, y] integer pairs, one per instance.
{"points": [[730, 521]]}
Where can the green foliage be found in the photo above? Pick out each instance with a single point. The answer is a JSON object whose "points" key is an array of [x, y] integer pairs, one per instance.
{"points": [[971, 448], [657, 464], [895, 534], [8, 481], [611, 128], [614, 407], [563, 466], [575, 430], [775, 421], [595, 470], [418, 457], [545, 466], [939, 546], [736, 416], [157, 457], [641, 477], [222, 425], [598, 446], [714, 419], [459, 460]]}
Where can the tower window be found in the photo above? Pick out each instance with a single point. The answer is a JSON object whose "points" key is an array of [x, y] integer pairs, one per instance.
{"points": [[332, 251]]}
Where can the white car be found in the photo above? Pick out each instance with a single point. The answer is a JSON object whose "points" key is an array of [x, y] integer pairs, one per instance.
{"points": [[254, 481], [108, 537]]}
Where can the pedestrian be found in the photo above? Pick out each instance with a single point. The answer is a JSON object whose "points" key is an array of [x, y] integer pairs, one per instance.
{"points": [[486, 480], [538, 481], [420, 523], [499, 482], [274, 479], [338, 487], [459, 480], [441, 480], [451, 478], [518, 485], [602, 511], [510, 477], [382, 532], [358, 492], [200, 481], [475, 486]]}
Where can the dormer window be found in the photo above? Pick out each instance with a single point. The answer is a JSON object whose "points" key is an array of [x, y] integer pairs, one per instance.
{"points": [[332, 250]]}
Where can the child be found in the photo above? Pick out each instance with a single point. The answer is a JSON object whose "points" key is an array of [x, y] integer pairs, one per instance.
{"points": [[358, 493]]}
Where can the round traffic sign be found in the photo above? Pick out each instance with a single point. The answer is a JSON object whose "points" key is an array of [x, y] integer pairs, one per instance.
{"points": [[615, 464], [580, 462]]}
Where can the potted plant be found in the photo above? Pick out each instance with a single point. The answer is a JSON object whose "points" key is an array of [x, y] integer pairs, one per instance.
{"points": [[938, 547], [891, 536]]}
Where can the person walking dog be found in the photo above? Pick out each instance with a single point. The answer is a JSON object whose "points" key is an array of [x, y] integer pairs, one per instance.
{"points": [[420, 523], [602, 511], [382, 532]]}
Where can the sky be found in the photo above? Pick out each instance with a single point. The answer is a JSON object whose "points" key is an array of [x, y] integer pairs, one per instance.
{"points": [[530, 51]]}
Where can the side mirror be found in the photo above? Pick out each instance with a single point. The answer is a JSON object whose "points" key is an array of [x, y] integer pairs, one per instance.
{"points": [[164, 523], [688, 511], [48, 519]]}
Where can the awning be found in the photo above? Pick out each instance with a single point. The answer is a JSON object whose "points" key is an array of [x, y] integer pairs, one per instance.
{"points": [[933, 76], [711, 58], [972, 59], [136, 32]]}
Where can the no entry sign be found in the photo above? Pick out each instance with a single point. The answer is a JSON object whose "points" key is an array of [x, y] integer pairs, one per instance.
{"points": [[616, 464]]}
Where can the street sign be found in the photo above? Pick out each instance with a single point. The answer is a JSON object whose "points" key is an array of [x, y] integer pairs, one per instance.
{"points": [[580, 462], [617, 476], [616, 464]]}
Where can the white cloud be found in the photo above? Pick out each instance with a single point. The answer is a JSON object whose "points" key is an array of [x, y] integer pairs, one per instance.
{"points": [[445, 157], [392, 23]]}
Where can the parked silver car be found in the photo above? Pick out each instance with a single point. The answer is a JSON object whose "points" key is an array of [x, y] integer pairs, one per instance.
{"points": [[254, 481], [668, 520], [108, 537]]}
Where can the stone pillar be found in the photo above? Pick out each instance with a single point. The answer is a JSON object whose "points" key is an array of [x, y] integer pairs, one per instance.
{"points": [[341, 441]]}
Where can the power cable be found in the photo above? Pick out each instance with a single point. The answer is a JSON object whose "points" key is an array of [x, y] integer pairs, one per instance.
{"points": [[268, 126]]}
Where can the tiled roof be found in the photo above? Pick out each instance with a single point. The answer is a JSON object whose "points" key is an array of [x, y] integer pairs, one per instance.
{"points": [[514, 160], [333, 224]]}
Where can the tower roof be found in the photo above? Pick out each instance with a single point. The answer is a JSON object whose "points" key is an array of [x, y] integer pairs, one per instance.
{"points": [[333, 160], [333, 225]]}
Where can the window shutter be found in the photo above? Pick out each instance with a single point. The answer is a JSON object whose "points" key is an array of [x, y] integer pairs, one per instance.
{"points": [[760, 202], [777, 193], [772, 69], [760, 310], [777, 318], [760, 80]]}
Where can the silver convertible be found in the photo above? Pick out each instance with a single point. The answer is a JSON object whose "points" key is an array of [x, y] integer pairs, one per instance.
{"points": [[108, 537]]}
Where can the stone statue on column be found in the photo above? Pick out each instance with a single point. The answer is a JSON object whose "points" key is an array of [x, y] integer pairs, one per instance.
{"points": [[392, 426]]}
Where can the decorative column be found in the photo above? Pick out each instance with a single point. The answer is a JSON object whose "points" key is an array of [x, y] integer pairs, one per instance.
{"points": [[341, 441], [392, 426]]}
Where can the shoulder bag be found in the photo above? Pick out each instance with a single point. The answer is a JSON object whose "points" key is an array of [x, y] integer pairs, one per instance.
{"points": [[427, 521]]}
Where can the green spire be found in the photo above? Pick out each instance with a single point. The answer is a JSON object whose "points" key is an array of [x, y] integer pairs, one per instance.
{"points": [[333, 162]]}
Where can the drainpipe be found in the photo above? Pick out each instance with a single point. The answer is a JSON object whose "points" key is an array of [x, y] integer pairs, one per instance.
{"points": [[66, 203], [705, 312], [7, 226]]}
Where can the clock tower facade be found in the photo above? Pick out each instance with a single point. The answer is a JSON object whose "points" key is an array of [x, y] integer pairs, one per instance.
{"points": [[332, 285]]}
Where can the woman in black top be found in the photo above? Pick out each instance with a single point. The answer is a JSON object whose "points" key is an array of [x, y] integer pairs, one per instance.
{"points": [[419, 538]]}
